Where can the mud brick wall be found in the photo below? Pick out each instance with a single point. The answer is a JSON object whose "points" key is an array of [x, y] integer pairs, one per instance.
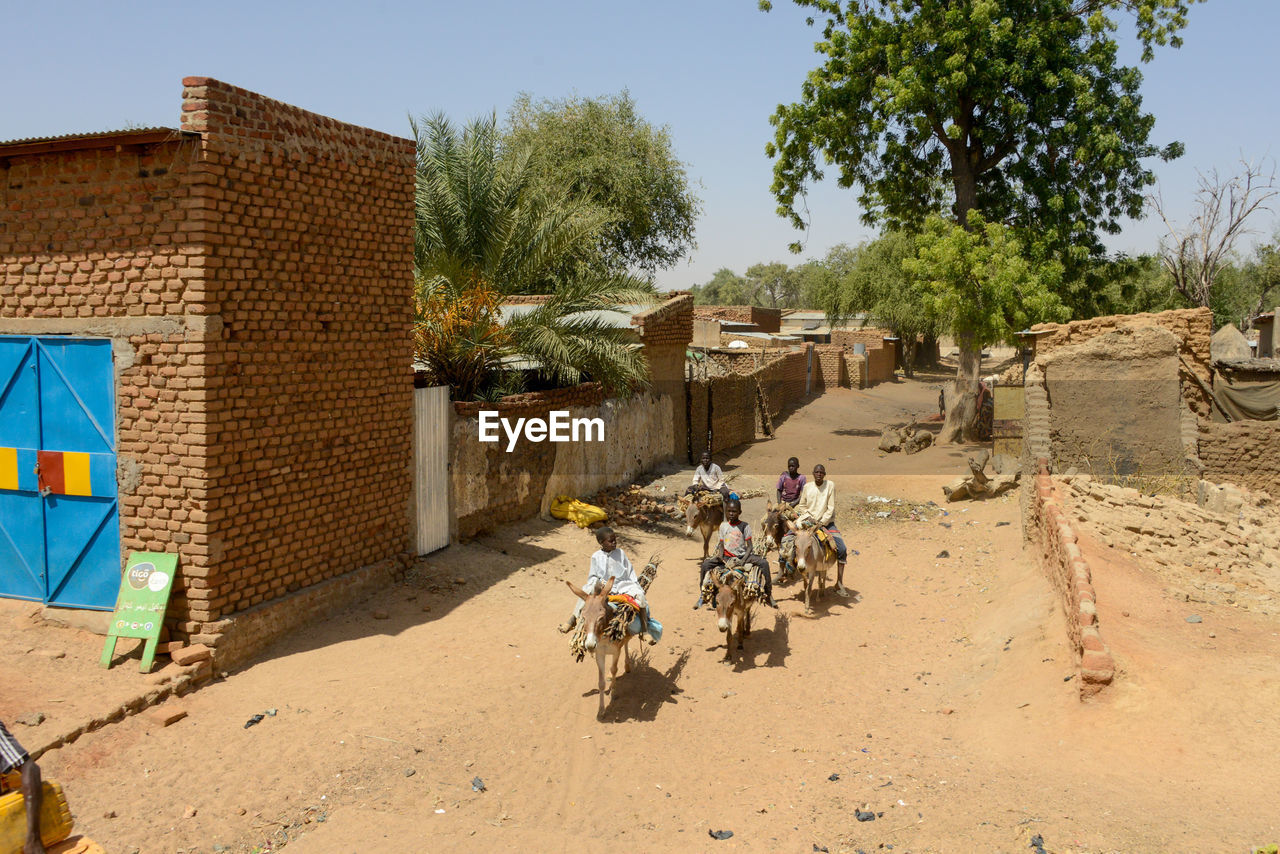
{"points": [[856, 366], [1246, 453], [764, 319], [94, 243], [1193, 328], [665, 334], [307, 226], [830, 357], [880, 362], [871, 336], [1052, 535], [735, 410]]}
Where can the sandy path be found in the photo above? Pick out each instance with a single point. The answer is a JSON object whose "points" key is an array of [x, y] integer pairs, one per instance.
{"points": [[937, 698]]}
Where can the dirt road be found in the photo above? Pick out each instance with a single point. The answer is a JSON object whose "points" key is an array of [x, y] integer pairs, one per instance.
{"points": [[942, 699]]}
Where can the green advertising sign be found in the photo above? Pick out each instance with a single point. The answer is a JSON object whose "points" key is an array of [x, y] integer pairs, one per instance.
{"points": [[140, 607]]}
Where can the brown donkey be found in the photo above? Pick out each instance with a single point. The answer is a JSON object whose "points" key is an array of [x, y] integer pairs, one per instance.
{"points": [[704, 520], [733, 608]]}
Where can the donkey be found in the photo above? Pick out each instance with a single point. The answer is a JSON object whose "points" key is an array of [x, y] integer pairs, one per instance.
{"points": [[704, 520], [775, 529], [814, 560], [733, 609], [596, 615]]}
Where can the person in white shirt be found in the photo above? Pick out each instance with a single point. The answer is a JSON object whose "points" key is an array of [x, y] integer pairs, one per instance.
{"points": [[609, 561], [817, 508], [708, 476]]}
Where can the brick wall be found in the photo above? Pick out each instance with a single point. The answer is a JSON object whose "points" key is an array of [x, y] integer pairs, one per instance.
{"points": [[829, 367], [880, 362], [665, 334], [307, 226], [764, 319], [733, 399], [1246, 453], [94, 243], [1052, 534]]}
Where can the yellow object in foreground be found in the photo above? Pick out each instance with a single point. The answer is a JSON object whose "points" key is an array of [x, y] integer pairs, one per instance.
{"points": [[55, 819], [580, 513]]}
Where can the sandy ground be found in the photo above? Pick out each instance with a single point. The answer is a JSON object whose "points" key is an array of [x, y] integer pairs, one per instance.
{"points": [[942, 699]]}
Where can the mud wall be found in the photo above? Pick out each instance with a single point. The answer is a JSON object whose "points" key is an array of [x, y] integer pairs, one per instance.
{"points": [[1246, 453], [1115, 404], [1192, 328]]}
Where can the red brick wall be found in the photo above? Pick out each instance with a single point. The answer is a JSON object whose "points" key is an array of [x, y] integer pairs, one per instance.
{"points": [[307, 225], [94, 243], [1051, 532]]}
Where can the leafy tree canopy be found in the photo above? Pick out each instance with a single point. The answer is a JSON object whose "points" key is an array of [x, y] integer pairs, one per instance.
{"points": [[1015, 108], [979, 283], [602, 151], [482, 233]]}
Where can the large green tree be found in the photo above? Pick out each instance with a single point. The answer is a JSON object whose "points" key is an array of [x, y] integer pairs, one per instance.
{"points": [[978, 281], [602, 151], [483, 232], [1016, 109]]}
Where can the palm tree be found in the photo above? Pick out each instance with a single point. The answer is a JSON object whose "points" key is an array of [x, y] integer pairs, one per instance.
{"points": [[483, 233]]}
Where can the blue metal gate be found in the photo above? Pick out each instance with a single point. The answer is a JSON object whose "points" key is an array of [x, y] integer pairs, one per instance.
{"points": [[59, 514]]}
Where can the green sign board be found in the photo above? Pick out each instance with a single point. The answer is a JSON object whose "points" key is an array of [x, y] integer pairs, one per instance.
{"points": [[140, 607]]}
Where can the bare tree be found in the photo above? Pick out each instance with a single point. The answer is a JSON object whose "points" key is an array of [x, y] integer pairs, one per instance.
{"points": [[1196, 254]]}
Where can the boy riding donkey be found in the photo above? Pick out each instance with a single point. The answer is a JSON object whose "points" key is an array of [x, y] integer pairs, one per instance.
{"points": [[817, 508], [735, 542], [607, 562]]}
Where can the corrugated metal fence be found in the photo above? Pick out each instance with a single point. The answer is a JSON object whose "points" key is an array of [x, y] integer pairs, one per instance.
{"points": [[431, 467]]}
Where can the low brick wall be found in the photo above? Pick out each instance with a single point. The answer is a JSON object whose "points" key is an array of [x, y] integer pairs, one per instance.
{"points": [[1052, 534], [829, 367], [1246, 453]]}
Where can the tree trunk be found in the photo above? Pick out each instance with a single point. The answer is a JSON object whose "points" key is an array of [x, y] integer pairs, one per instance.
{"points": [[909, 356], [962, 404]]}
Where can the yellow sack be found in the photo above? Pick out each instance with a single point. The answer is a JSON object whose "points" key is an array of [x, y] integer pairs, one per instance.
{"points": [[580, 513]]}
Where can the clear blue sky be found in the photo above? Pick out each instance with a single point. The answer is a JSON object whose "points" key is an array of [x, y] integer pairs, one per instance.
{"points": [[713, 71]]}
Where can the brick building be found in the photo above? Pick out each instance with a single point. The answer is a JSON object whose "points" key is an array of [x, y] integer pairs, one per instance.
{"points": [[239, 289]]}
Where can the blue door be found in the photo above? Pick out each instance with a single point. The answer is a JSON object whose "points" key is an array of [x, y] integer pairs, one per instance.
{"points": [[59, 514]]}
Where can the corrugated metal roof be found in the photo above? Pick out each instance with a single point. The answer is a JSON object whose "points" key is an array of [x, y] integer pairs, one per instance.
{"points": [[101, 139], [620, 318]]}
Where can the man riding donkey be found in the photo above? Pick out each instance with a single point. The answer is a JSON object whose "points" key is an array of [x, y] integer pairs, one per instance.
{"points": [[817, 509], [735, 543], [607, 562], [708, 477]]}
